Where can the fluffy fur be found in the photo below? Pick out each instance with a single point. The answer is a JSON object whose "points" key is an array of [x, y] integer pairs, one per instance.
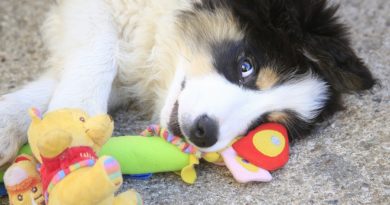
{"points": [[183, 59]]}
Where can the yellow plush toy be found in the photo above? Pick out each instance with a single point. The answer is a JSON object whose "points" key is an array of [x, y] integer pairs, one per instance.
{"points": [[23, 182], [65, 142]]}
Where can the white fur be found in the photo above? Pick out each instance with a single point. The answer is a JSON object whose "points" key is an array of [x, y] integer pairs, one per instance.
{"points": [[89, 68], [235, 108], [173, 95]]}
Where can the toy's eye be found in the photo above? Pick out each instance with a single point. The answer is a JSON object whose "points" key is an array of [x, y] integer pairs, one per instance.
{"points": [[82, 119], [246, 67], [34, 189], [20, 197]]}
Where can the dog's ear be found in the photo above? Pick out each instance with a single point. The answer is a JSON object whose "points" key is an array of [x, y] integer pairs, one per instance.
{"points": [[325, 43]]}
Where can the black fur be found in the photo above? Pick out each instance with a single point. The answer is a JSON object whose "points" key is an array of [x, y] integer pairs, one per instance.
{"points": [[227, 56]]}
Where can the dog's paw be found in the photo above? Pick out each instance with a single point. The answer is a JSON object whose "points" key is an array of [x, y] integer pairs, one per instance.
{"points": [[13, 133], [11, 138]]}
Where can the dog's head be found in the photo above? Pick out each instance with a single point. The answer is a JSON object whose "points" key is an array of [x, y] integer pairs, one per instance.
{"points": [[243, 63]]}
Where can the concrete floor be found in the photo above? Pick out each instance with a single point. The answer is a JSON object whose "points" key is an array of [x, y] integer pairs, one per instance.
{"points": [[346, 162]]}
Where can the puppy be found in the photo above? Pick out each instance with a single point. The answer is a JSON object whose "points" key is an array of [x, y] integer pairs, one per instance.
{"points": [[209, 70]]}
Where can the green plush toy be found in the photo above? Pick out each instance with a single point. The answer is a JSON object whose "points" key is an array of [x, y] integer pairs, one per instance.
{"points": [[155, 151]]}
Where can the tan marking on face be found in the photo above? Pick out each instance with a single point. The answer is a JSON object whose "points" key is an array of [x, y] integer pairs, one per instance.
{"points": [[198, 31], [267, 78], [200, 65], [202, 28], [278, 117]]}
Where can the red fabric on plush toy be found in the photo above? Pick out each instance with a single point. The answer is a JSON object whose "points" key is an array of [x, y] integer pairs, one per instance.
{"points": [[71, 156], [266, 146]]}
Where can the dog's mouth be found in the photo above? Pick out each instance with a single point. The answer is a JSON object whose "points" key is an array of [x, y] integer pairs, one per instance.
{"points": [[181, 130], [174, 125]]}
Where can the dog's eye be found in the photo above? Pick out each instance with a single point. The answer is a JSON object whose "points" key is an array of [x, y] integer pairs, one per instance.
{"points": [[34, 189], [20, 197], [246, 67]]}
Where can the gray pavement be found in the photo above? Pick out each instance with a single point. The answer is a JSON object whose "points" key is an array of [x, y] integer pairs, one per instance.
{"points": [[347, 161]]}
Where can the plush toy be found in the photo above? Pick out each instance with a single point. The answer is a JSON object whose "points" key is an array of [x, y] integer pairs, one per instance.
{"points": [[23, 182], [249, 158], [155, 151], [24, 150], [3, 191], [139, 155], [65, 142], [264, 149]]}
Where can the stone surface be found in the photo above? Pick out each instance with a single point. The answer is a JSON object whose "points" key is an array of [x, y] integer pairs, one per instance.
{"points": [[346, 162]]}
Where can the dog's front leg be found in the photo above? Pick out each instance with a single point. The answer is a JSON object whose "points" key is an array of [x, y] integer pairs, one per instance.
{"points": [[89, 65], [85, 83]]}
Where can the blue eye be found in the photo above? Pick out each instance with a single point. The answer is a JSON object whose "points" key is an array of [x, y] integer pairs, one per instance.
{"points": [[246, 67]]}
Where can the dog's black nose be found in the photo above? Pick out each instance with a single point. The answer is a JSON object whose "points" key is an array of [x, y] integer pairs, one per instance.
{"points": [[204, 132]]}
